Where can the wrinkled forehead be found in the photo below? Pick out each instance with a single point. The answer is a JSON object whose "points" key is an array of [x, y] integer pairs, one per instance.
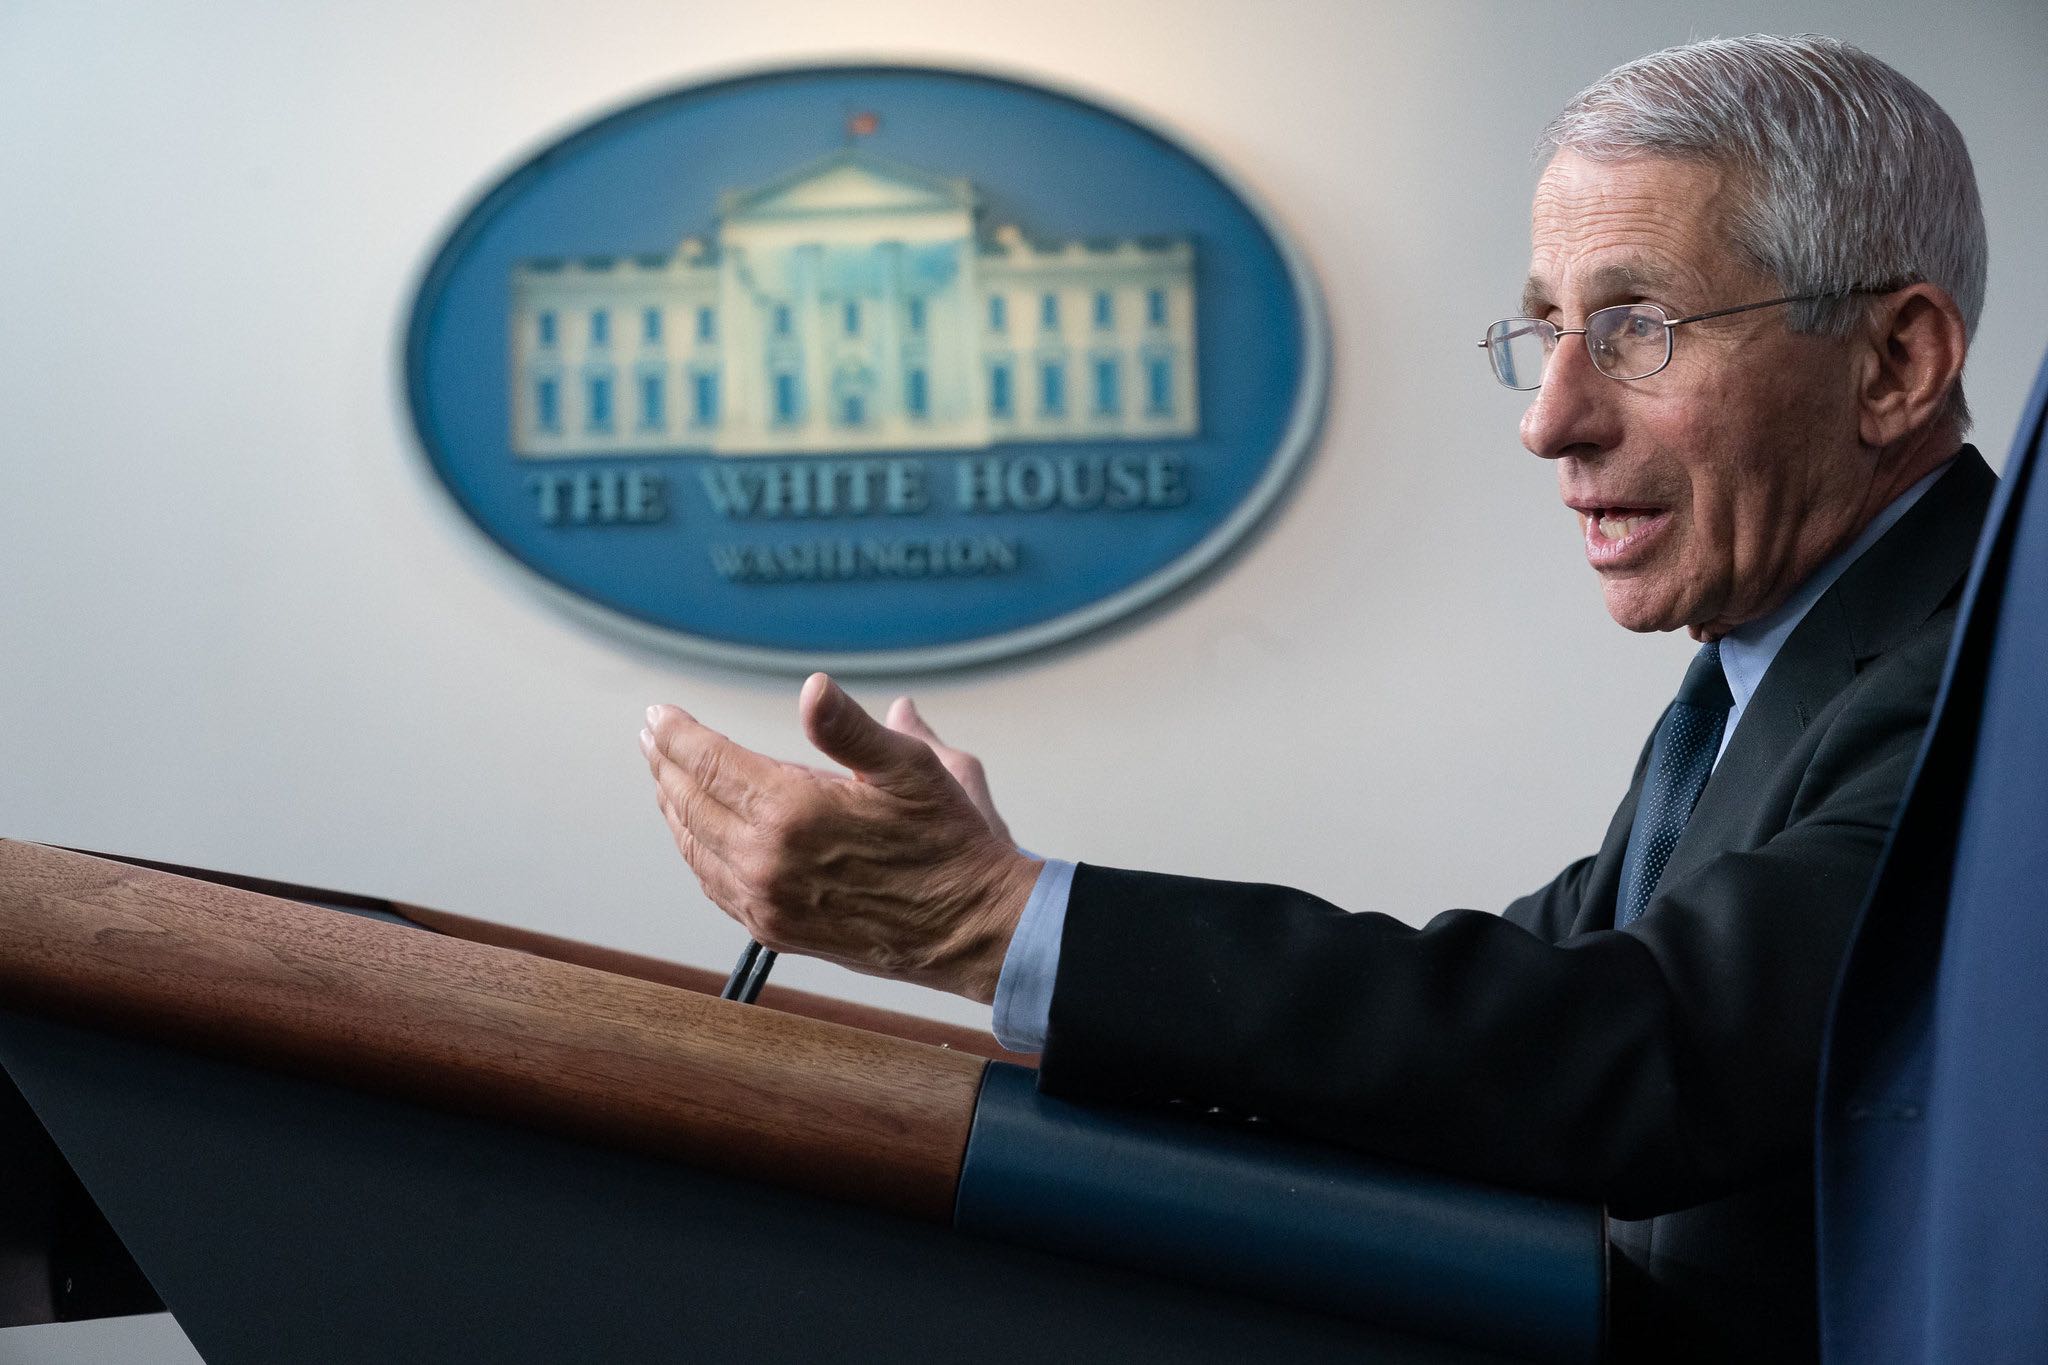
{"points": [[1614, 230]]}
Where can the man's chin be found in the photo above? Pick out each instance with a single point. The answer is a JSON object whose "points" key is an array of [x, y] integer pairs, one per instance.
{"points": [[1638, 611]]}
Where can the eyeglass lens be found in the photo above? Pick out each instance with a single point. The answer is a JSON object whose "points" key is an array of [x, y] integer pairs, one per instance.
{"points": [[1518, 348], [1628, 342], [1631, 341]]}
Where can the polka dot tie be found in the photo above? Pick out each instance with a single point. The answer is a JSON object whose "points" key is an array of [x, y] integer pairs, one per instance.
{"points": [[1682, 758]]}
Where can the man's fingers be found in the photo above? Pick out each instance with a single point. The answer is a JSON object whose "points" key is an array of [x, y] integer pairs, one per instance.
{"points": [[730, 774], [966, 769], [846, 734], [708, 785], [717, 878], [904, 719], [690, 806]]}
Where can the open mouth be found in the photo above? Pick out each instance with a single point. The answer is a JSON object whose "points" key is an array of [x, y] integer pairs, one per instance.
{"points": [[1614, 534]]}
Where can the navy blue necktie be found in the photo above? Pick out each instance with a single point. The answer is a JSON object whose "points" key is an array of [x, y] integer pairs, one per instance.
{"points": [[1682, 758]]}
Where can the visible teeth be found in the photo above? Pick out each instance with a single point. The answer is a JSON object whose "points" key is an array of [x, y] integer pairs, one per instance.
{"points": [[1618, 528]]}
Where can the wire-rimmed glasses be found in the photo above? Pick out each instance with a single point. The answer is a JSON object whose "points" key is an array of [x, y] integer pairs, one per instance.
{"points": [[1627, 341]]}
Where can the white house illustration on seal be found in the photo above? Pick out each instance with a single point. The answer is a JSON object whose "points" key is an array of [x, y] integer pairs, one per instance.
{"points": [[853, 304]]}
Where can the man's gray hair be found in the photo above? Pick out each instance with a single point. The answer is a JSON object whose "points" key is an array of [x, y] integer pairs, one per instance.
{"points": [[1854, 175]]}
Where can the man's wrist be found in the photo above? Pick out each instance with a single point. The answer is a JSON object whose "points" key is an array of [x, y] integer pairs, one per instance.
{"points": [[983, 937]]}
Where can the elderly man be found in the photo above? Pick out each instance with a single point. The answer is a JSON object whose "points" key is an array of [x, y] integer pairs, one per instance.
{"points": [[1756, 264]]}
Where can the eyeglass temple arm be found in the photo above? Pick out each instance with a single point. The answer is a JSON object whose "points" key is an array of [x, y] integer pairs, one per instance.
{"points": [[1772, 303], [1485, 342]]}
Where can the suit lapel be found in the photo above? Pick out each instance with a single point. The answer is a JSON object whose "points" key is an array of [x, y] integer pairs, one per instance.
{"points": [[1886, 594], [1603, 881], [1815, 665]]}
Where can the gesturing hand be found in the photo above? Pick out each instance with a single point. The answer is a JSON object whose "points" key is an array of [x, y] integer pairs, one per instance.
{"points": [[894, 872]]}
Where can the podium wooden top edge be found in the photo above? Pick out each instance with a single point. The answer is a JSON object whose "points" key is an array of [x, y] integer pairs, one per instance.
{"points": [[789, 1000], [455, 1023]]}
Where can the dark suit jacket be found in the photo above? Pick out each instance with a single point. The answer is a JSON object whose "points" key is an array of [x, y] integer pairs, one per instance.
{"points": [[1933, 1155], [1667, 1070]]}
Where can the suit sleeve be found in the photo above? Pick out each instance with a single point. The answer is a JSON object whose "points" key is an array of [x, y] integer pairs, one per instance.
{"points": [[1549, 913], [1648, 1069]]}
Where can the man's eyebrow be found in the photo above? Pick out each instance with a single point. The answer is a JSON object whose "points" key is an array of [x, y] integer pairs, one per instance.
{"points": [[1629, 279], [1609, 283]]}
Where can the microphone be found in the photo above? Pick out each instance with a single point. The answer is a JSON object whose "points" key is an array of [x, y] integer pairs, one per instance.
{"points": [[749, 974]]}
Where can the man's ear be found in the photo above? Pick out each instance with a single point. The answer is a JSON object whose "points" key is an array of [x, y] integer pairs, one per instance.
{"points": [[1915, 342]]}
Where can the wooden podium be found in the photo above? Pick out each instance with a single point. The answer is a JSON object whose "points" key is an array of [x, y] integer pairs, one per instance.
{"points": [[329, 1128]]}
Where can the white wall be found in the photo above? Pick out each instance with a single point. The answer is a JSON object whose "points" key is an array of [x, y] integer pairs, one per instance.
{"points": [[241, 628]]}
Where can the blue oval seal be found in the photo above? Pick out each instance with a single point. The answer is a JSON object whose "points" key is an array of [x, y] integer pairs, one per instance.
{"points": [[869, 368]]}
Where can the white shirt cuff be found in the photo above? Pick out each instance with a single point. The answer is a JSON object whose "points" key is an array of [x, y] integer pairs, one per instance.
{"points": [[1023, 1008]]}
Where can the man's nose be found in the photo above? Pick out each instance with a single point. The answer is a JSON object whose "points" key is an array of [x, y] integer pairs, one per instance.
{"points": [[1575, 412]]}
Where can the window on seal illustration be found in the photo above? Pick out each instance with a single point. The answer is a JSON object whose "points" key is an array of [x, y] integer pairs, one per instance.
{"points": [[999, 402], [1052, 389], [547, 403], [1105, 310], [1106, 388], [1049, 311], [704, 398], [597, 413], [914, 316], [600, 327], [544, 328], [653, 402], [998, 313], [1155, 307], [707, 325], [650, 325], [782, 319], [1159, 385], [785, 397], [853, 408], [852, 318], [916, 393]]}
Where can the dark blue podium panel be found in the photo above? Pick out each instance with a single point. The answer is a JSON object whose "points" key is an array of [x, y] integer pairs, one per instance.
{"points": [[1289, 1221], [283, 1219]]}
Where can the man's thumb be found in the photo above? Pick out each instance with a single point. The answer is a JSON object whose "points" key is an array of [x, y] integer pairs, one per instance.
{"points": [[847, 735]]}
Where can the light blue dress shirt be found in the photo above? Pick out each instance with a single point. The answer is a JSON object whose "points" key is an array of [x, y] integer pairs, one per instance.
{"points": [[1023, 1007]]}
